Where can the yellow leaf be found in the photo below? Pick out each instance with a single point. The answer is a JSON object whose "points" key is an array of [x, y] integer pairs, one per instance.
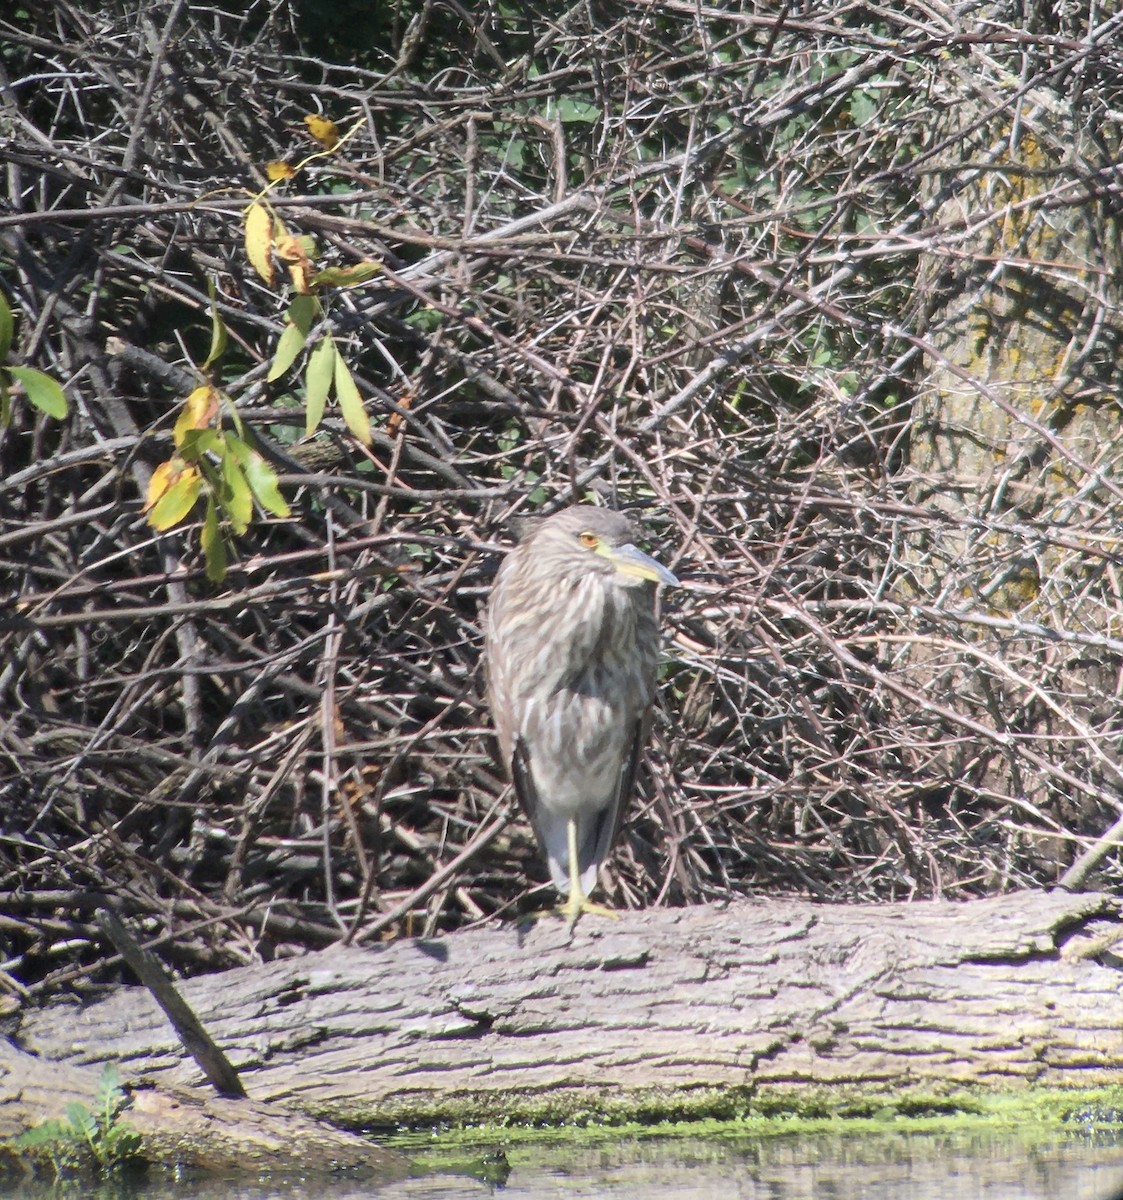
{"points": [[295, 249], [290, 250], [323, 130], [298, 272], [162, 479], [259, 240], [177, 501], [351, 402], [277, 169], [199, 410]]}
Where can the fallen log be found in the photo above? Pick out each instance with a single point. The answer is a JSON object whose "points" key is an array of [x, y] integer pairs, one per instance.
{"points": [[662, 1012], [190, 1127]]}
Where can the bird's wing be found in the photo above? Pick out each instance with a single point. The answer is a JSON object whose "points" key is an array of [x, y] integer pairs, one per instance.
{"points": [[523, 780], [550, 831], [525, 791], [612, 817]]}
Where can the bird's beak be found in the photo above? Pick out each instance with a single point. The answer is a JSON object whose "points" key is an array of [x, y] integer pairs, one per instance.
{"points": [[629, 560]]}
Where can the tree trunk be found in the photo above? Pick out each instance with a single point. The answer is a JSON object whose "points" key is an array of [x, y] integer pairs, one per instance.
{"points": [[1016, 442], [671, 1011]]}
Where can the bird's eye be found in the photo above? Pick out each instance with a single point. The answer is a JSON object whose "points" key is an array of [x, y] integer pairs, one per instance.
{"points": [[588, 539]]}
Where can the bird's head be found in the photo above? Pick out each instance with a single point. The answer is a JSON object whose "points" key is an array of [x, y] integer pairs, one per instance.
{"points": [[584, 539]]}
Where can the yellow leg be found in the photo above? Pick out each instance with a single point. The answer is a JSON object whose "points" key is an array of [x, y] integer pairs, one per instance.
{"points": [[576, 902]]}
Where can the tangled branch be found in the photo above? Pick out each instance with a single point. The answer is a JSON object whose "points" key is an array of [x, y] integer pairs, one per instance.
{"points": [[826, 295]]}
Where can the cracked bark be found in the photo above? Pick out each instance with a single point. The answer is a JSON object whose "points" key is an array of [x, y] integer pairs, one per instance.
{"points": [[751, 998]]}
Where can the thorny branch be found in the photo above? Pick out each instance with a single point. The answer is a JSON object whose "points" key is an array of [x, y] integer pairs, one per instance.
{"points": [[828, 294]]}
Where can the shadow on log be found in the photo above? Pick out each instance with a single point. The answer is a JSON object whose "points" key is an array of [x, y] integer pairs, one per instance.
{"points": [[665, 1011]]}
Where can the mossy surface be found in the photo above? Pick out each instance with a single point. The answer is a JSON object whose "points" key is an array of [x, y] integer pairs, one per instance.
{"points": [[445, 1132], [1032, 1120]]}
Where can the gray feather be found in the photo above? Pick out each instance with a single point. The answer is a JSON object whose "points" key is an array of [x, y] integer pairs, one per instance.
{"points": [[572, 651]]}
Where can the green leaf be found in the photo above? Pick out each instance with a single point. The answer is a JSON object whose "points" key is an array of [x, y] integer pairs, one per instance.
{"points": [[263, 483], [214, 550], [218, 330], [5, 328], [302, 311], [122, 1143], [238, 500], [289, 345], [109, 1091], [351, 402], [177, 501], [231, 410], [197, 442], [82, 1121], [236, 448], [317, 382], [345, 276], [428, 320], [570, 111], [298, 320], [5, 401], [259, 475], [49, 1131], [43, 391]]}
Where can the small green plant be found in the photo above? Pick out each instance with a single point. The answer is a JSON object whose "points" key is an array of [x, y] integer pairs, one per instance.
{"points": [[88, 1138]]}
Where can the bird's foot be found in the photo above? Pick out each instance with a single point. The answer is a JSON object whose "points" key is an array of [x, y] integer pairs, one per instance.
{"points": [[575, 904]]}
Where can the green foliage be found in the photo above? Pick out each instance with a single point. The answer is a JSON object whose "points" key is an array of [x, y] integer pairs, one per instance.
{"points": [[219, 337], [325, 368], [42, 392], [215, 465], [6, 327], [88, 1138], [317, 382], [298, 321], [434, 37]]}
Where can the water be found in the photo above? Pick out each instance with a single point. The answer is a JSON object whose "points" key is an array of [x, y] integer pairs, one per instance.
{"points": [[914, 1166], [821, 1167]]}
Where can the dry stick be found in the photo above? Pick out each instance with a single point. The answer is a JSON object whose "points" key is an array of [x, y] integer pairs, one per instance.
{"points": [[996, 737], [329, 785], [1073, 879], [762, 59], [196, 1041], [434, 882], [814, 299]]}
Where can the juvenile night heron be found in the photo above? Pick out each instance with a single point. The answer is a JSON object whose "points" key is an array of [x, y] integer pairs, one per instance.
{"points": [[572, 651]]}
